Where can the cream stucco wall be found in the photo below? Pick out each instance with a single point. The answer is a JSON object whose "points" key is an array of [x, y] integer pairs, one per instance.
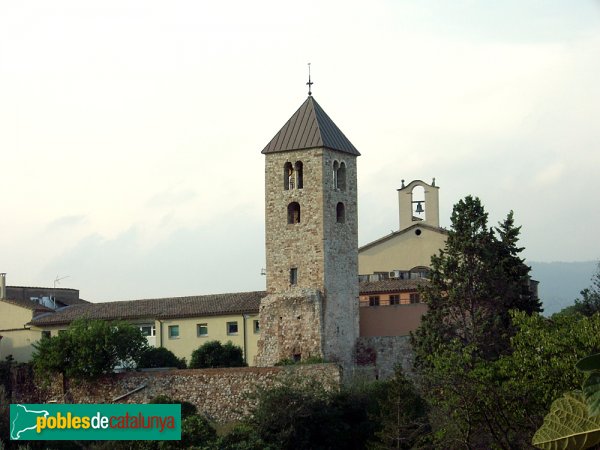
{"points": [[182, 347], [18, 343], [188, 339], [17, 339], [404, 251], [13, 316]]}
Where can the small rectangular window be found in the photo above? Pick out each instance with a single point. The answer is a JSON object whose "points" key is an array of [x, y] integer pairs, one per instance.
{"points": [[293, 276], [202, 329], [173, 331], [148, 330], [256, 327], [46, 334], [394, 299], [374, 300], [415, 298], [232, 328]]}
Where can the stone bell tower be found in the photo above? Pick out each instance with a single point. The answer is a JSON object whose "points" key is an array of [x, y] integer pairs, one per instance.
{"points": [[311, 309]]}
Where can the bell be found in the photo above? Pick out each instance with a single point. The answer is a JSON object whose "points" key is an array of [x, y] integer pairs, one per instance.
{"points": [[419, 209]]}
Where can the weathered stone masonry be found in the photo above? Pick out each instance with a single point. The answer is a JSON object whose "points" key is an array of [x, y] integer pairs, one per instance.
{"points": [[321, 248], [223, 395]]}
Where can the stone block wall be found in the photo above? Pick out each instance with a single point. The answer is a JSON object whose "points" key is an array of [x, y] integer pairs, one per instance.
{"points": [[322, 249], [380, 355], [223, 395], [291, 324]]}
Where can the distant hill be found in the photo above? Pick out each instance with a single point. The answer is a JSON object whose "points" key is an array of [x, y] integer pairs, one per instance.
{"points": [[561, 282]]}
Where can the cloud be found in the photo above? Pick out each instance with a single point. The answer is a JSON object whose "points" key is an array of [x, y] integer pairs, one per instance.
{"points": [[66, 222], [171, 197], [225, 255]]}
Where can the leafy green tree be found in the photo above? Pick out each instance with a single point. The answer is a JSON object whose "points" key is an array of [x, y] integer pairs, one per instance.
{"points": [[478, 403], [475, 280], [402, 415], [88, 349], [589, 303], [215, 354], [160, 357]]}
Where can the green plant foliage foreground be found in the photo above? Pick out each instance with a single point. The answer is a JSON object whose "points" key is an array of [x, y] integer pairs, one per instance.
{"points": [[160, 357], [574, 421], [568, 425]]}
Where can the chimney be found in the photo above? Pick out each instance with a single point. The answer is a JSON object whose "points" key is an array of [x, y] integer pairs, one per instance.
{"points": [[2, 286]]}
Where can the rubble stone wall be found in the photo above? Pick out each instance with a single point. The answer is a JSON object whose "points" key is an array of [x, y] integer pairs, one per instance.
{"points": [[223, 395], [381, 354]]}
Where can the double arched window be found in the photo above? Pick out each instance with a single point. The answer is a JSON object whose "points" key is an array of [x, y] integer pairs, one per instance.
{"points": [[339, 175], [293, 175]]}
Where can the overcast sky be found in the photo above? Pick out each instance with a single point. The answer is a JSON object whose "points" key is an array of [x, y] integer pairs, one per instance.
{"points": [[131, 131]]}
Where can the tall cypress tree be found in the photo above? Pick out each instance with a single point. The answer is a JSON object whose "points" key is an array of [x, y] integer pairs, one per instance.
{"points": [[475, 280]]}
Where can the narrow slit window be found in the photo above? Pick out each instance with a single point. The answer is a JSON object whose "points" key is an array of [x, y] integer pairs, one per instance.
{"points": [[299, 175], [288, 176], [341, 177], [340, 213], [293, 276], [336, 166]]}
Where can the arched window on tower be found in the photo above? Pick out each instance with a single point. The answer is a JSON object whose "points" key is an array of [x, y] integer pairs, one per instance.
{"points": [[341, 177], [294, 213], [340, 213], [336, 166], [299, 177], [288, 176]]}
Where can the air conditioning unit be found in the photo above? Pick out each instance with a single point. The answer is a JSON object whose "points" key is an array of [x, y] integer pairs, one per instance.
{"points": [[395, 274]]}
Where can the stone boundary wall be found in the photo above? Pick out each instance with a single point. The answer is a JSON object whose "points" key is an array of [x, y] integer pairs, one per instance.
{"points": [[222, 395], [381, 355]]}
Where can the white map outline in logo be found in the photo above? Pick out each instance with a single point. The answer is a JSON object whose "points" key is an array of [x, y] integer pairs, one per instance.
{"points": [[18, 436]]}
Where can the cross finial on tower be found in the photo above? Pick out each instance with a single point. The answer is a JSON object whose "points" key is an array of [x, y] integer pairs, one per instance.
{"points": [[310, 83]]}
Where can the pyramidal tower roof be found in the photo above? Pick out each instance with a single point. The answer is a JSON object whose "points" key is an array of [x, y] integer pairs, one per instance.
{"points": [[310, 127]]}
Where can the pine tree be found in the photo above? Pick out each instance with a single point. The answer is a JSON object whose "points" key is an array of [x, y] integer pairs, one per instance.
{"points": [[475, 280]]}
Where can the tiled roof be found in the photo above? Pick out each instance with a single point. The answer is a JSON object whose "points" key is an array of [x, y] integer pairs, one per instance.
{"points": [[310, 127], [391, 285], [158, 308], [28, 304]]}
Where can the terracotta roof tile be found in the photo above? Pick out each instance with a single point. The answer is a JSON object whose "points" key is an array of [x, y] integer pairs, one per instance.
{"points": [[392, 285], [158, 308]]}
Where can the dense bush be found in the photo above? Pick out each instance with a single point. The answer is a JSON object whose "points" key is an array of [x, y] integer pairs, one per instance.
{"points": [[160, 357], [303, 415], [215, 354]]}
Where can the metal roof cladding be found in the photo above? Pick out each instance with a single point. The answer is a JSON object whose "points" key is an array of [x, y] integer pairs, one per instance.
{"points": [[310, 127]]}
